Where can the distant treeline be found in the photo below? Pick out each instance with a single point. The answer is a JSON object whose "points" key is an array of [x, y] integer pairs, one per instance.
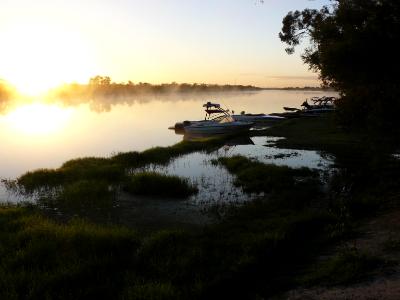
{"points": [[102, 86], [305, 88]]}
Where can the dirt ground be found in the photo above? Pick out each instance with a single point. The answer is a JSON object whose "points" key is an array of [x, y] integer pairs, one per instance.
{"points": [[379, 237]]}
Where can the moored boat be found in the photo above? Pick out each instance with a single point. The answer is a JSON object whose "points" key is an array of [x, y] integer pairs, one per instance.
{"points": [[320, 105], [217, 121], [218, 127], [257, 118]]}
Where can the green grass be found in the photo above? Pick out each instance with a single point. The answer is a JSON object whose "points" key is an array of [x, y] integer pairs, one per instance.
{"points": [[90, 168], [320, 133], [81, 195], [163, 155], [293, 187], [392, 244], [41, 259], [255, 251], [346, 267], [160, 185], [111, 170]]}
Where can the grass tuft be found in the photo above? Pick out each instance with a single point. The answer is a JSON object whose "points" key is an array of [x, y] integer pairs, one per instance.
{"points": [[160, 185], [292, 187], [111, 170], [41, 259], [81, 195], [349, 266]]}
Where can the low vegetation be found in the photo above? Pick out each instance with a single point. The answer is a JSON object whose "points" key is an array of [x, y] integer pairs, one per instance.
{"points": [[111, 170], [159, 185], [346, 267], [234, 258], [82, 195], [257, 250], [259, 177], [41, 259], [312, 133]]}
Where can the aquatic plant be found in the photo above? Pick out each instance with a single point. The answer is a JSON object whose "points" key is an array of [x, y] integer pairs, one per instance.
{"points": [[81, 195], [163, 155], [43, 259], [256, 250], [112, 170], [255, 176], [160, 185], [348, 266]]}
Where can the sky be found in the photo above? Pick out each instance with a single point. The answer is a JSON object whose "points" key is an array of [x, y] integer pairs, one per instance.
{"points": [[48, 42]]}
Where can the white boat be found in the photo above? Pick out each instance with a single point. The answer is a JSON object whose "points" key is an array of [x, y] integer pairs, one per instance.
{"points": [[257, 118], [218, 127], [217, 121]]}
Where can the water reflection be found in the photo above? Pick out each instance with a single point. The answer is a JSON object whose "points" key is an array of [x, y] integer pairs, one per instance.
{"points": [[216, 185], [44, 135], [37, 119]]}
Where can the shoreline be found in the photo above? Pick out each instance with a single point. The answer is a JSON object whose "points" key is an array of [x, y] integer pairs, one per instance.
{"points": [[262, 233]]}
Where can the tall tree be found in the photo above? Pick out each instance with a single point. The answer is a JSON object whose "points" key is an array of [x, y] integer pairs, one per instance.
{"points": [[353, 47]]}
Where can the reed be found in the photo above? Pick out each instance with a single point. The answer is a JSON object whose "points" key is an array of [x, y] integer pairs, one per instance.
{"points": [[159, 185]]}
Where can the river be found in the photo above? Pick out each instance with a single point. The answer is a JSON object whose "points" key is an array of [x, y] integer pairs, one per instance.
{"points": [[38, 134]]}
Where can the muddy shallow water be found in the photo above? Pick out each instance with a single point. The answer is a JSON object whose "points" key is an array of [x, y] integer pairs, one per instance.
{"points": [[215, 184], [40, 135]]}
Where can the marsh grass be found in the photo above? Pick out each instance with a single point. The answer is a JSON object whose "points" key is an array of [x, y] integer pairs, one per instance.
{"points": [[160, 185], [111, 170], [321, 133], [81, 195], [91, 169], [255, 251], [163, 155], [41, 259], [233, 258], [289, 185], [392, 244], [348, 266]]}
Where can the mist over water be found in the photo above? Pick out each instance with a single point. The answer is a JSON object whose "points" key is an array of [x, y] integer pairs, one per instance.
{"points": [[46, 134]]}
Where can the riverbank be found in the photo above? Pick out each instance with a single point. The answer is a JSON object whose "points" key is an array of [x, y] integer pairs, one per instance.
{"points": [[248, 254]]}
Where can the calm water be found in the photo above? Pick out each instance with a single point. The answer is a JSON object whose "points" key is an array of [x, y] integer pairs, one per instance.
{"points": [[38, 135]]}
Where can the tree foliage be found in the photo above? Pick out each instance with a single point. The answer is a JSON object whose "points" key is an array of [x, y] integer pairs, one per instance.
{"points": [[100, 80], [353, 47]]}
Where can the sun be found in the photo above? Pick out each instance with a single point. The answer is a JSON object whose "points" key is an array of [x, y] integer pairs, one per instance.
{"points": [[38, 119], [38, 57]]}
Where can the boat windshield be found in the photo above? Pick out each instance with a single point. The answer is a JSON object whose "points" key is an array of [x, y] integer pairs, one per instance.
{"points": [[226, 119]]}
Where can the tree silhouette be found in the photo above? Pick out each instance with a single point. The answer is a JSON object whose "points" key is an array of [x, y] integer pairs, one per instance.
{"points": [[353, 47], [100, 80]]}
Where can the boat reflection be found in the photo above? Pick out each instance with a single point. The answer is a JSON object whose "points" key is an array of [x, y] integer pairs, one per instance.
{"points": [[231, 140]]}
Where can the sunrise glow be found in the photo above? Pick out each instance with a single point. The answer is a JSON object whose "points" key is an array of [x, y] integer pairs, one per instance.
{"points": [[39, 57], [38, 119], [48, 43]]}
